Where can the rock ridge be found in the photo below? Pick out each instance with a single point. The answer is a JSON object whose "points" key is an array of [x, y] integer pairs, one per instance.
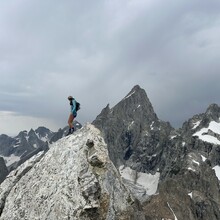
{"points": [[71, 181]]}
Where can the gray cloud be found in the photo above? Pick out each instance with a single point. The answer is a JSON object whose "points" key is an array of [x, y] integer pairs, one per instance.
{"points": [[98, 50]]}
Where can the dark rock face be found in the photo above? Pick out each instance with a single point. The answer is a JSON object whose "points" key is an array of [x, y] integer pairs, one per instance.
{"points": [[192, 194], [3, 170], [5, 141], [185, 157], [134, 133]]}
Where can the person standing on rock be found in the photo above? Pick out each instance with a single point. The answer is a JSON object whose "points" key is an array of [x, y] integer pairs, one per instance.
{"points": [[73, 114]]}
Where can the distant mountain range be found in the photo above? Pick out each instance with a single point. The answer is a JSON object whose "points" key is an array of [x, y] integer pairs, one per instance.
{"points": [[128, 164]]}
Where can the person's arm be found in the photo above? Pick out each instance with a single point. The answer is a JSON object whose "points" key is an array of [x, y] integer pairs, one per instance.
{"points": [[74, 105], [74, 108]]}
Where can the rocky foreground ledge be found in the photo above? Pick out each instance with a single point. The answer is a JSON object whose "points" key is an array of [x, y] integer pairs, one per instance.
{"points": [[74, 179]]}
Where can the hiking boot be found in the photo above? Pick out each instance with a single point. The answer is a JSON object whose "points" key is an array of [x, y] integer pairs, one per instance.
{"points": [[69, 132]]}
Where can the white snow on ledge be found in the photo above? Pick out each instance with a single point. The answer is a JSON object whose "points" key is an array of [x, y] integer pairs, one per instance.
{"points": [[173, 136], [190, 194], [190, 168], [196, 124], [203, 158], [129, 95], [217, 171], [172, 211], [11, 159], [148, 181], [213, 126], [196, 162]]}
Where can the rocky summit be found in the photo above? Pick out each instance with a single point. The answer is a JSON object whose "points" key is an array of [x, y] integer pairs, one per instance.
{"points": [[75, 179], [16, 150], [127, 165]]}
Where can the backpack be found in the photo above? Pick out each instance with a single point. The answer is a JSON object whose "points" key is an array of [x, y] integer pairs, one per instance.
{"points": [[77, 106]]}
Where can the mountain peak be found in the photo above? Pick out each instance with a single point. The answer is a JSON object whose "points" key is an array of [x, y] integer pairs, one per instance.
{"points": [[136, 88], [137, 102], [213, 108], [134, 106], [128, 124], [213, 112]]}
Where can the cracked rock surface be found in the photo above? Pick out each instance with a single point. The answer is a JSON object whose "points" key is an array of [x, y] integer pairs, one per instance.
{"points": [[66, 183]]}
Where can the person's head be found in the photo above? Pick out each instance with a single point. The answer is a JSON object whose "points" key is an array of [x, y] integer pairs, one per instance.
{"points": [[70, 98]]}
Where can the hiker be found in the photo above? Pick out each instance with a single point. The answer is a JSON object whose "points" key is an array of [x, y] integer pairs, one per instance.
{"points": [[73, 114]]}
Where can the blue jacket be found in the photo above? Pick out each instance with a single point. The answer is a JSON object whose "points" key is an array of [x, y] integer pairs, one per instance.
{"points": [[73, 108]]}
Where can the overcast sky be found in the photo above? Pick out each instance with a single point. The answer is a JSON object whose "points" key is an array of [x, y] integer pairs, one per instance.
{"points": [[98, 50]]}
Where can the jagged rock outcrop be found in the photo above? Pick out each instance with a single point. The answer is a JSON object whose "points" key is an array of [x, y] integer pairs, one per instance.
{"points": [[5, 141], [193, 193], [13, 149], [202, 133], [71, 181], [3, 170]]}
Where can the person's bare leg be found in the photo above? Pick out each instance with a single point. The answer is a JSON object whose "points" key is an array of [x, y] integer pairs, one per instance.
{"points": [[70, 121]]}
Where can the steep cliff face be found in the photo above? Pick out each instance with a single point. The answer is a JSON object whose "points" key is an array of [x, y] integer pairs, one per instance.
{"points": [[74, 179], [3, 170]]}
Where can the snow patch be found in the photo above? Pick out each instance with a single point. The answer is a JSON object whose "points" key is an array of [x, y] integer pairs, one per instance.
{"points": [[148, 181], [196, 124], [202, 134], [17, 143], [190, 168], [172, 211], [190, 194], [217, 171], [208, 138], [215, 127], [151, 126], [129, 126], [196, 162], [27, 137], [10, 160], [44, 139], [203, 158], [129, 95]]}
